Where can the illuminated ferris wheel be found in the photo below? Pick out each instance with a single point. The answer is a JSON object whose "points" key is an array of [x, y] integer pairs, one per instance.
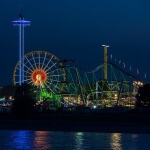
{"points": [[41, 69]]}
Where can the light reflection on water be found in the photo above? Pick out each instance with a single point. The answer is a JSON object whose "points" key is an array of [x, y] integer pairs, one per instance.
{"points": [[79, 140], [115, 141], [46, 140], [41, 140]]}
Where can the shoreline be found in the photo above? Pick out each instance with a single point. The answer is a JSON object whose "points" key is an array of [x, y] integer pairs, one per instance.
{"points": [[112, 123]]}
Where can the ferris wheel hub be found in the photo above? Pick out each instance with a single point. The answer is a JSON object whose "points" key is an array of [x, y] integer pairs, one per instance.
{"points": [[38, 77]]}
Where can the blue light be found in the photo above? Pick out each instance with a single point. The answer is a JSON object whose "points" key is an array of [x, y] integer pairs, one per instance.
{"points": [[21, 22]]}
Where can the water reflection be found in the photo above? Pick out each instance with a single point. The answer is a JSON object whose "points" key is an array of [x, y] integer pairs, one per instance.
{"points": [[28, 140], [79, 140], [115, 141], [47, 140], [42, 140], [20, 140]]}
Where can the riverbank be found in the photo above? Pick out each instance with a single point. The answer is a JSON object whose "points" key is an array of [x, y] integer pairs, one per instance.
{"points": [[115, 123]]}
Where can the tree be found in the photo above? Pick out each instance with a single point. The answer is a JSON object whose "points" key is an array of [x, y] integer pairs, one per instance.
{"points": [[24, 102], [143, 96]]}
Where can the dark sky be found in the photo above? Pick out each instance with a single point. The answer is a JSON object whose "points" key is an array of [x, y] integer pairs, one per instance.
{"points": [[76, 29]]}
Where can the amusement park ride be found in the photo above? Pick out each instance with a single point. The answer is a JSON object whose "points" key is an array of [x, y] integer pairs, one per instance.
{"points": [[61, 82]]}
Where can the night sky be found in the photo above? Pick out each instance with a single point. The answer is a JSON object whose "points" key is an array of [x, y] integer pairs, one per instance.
{"points": [[76, 29]]}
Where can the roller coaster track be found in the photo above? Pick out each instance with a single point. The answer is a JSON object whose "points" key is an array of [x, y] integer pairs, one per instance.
{"points": [[100, 66]]}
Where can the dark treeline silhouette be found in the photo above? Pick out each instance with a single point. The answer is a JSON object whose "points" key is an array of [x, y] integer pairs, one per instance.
{"points": [[143, 96], [24, 101]]}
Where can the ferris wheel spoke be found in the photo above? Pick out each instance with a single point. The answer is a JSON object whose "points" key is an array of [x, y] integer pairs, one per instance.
{"points": [[57, 87], [49, 82], [57, 75], [54, 85], [34, 61], [54, 80], [17, 82], [43, 61], [28, 76], [48, 63], [28, 67], [16, 75], [49, 72], [28, 73], [50, 88], [31, 82], [28, 79], [52, 66], [39, 59], [30, 63], [54, 70]]}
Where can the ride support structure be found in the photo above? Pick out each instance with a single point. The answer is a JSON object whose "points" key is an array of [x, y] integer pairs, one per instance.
{"points": [[21, 23]]}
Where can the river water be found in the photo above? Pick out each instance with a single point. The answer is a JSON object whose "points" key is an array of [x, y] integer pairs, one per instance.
{"points": [[47, 140]]}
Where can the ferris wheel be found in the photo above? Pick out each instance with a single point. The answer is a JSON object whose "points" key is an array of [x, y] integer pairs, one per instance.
{"points": [[41, 69]]}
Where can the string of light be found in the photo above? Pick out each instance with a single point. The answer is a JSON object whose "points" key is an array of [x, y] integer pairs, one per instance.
{"points": [[123, 64]]}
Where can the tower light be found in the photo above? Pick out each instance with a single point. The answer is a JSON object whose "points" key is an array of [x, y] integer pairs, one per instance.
{"points": [[21, 23]]}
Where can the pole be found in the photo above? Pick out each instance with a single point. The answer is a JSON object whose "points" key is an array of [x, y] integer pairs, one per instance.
{"points": [[105, 61]]}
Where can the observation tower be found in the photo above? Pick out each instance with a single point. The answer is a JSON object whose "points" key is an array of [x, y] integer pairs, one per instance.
{"points": [[21, 23]]}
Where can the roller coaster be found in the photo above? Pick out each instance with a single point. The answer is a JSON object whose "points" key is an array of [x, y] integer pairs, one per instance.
{"points": [[62, 83]]}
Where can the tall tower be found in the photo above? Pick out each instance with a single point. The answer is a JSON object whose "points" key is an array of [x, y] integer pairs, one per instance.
{"points": [[21, 23], [105, 61]]}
